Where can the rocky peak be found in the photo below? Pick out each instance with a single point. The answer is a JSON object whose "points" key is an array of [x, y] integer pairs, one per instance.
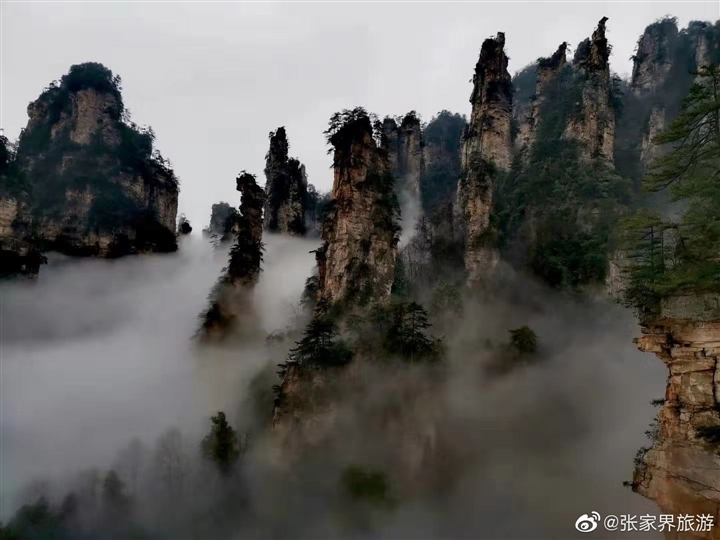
{"points": [[223, 222], [593, 125], [487, 148], [97, 186], [356, 262], [286, 188], [231, 309], [251, 206], [390, 142], [654, 57], [489, 134], [410, 164], [548, 70], [593, 55]]}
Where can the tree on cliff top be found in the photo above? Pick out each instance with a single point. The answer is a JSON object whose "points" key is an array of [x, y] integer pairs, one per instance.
{"points": [[691, 171]]}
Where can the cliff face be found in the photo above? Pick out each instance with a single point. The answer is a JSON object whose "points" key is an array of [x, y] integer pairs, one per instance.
{"points": [[548, 70], [286, 188], [231, 309], [654, 57], [96, 186], [17, 253], [356, 262], [593, 125], [681, 471], [487, 148], [410, 161]]}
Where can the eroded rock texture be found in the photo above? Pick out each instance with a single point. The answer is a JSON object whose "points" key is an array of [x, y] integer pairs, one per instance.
{"points": [[410, 162], [231, 310], [548, 70], [681, 471], [487, 149], [95, 185], [356, 262], [593, 125], [286, 188]]}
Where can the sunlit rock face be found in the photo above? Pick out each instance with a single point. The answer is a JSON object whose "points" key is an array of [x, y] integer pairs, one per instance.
{"points": [[285, 189], [356, 262], [487, 149], [681, 471], [96, 186], [231, 311], [594, 125]]}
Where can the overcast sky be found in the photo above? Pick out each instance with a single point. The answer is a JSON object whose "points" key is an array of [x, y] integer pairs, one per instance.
{"points": [[213, 79]]}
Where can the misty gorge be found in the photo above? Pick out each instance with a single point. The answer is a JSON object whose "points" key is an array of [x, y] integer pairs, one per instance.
{"points": [[392, 276]]}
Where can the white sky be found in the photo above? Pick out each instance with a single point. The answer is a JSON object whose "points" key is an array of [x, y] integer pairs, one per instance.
{"points": [[213, 79]]}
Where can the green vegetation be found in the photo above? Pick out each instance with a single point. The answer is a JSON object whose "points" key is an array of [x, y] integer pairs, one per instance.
{"points": [[555, 213], [523, 341], [319, 345], [366, 485], [679, 256], [221, 445], [403, 326], [49, 164], [443, 137]]}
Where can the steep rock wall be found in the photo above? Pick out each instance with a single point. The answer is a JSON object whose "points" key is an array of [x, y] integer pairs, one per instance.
{"points": [[286, 188], [593, 125], [97, 187], [356, 262], [487, 149], [548, 70], [681, 471]]}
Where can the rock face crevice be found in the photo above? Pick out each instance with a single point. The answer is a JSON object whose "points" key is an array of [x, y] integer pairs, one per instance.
{"points": [[231, 308], [95, 184], [681, 471], [593, 125], [286, 188], [487, 150], [356, 262]]}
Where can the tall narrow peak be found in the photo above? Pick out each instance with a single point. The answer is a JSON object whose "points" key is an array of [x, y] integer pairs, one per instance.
{"points": [[487, 150], [410, 162], [356, 262], [593, 123], [96, 184], [547, 73], [404, 146], [231, 309], [286, 188], [654, 57]]}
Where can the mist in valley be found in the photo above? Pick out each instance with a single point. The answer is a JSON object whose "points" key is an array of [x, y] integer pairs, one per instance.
{"points": [[100, 371]]}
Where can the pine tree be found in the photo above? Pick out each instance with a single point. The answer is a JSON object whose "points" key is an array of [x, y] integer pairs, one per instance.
{"points": [[319, 344], [690, 265], [221, 445]]}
